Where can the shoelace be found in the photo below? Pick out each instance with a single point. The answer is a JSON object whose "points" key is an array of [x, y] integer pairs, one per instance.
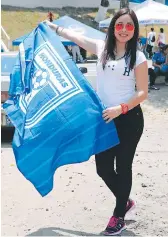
{"points": [[113, 221]]}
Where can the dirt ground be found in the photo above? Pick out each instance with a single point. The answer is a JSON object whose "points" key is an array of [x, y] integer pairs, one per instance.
{"points": [[80, 204]]}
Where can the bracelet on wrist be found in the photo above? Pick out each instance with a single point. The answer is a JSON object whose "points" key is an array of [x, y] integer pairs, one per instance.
{"points": [[57, 29], [124, 108]]}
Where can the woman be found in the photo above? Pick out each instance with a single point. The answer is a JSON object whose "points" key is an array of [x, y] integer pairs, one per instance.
{"points": [[159, 62], [120, 66], [161, 37]]}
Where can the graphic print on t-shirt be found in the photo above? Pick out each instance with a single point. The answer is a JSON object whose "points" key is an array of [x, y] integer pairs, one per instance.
{"points": [[116, 83], [126, 72]]}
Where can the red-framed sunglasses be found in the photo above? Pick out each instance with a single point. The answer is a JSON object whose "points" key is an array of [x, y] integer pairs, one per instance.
{"points": [[128, 27]]}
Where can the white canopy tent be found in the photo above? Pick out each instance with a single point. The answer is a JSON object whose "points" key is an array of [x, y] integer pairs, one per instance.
{"points": [[105, 23], [152, 4], [148, 13]]}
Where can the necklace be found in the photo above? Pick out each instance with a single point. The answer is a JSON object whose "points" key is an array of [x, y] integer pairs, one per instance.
{"points": [[120, 58], [115, 52]]}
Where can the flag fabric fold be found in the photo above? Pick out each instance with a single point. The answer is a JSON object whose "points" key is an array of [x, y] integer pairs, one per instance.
{"points": [[56, 113]]}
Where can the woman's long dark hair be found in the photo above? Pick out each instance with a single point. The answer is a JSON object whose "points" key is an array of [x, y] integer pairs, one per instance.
{"points": [[110, 43]]}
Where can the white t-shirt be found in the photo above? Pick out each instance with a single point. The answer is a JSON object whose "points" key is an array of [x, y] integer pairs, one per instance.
{"points": [[161, 38], [150, 36], [115, 84]]}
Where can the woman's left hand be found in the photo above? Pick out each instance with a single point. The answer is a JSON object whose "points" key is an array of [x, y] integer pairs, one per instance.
{"points": [[111, 113], [51, 25]]}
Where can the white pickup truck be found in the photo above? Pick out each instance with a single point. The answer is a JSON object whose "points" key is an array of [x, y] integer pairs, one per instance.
{"points": [[7, 62]]}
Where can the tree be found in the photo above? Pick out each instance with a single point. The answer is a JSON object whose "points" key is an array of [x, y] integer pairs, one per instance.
{"points": [[124, 4]]}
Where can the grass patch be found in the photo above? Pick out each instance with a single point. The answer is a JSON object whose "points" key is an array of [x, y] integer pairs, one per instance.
{"points": [[18, 23]]}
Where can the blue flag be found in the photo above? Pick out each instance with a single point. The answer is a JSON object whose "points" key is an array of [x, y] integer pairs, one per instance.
{"points": [[56, 113]]}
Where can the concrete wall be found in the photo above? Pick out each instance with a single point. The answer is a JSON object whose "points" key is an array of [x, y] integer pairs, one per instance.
{"points": [[52, 3]]}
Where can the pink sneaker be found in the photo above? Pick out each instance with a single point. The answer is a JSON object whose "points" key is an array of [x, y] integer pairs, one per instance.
{"points": [[115, 226], [130, 206]]}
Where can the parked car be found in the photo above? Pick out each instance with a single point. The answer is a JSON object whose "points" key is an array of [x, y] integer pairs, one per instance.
{"points": [[7, 62]]}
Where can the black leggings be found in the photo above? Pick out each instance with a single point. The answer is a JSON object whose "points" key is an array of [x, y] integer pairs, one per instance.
{"points": [[119, 178]]}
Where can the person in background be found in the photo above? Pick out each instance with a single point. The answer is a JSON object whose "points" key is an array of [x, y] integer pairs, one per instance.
{"points": [[83, 53], [120, 67], [76, 52], [68, 49], [150, 42], [161, 37], [166, 60], [160, 64], [140, 46], [152, 78], [151, 72], [50, 16], [144, 44]]}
